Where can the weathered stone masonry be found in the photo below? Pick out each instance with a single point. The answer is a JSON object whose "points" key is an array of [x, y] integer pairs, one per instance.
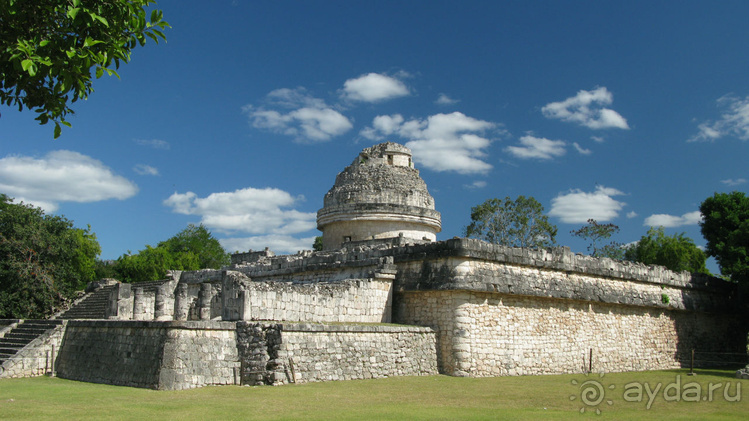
{"points": [[157, 355], [302, 352], [508, 311], [182, 355]]}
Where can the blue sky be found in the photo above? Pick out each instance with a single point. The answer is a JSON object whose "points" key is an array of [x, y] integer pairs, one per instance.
{"points": [[626, 112]]}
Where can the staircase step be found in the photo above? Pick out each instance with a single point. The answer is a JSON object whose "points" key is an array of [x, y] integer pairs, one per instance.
{"points": [[15, 335], [93, 306], [33, 332], [13, 341]]}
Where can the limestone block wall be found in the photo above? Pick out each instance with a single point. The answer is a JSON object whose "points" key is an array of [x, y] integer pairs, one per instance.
{"points": [[351, 301], [156, 355], [303, 352], [490, 334], [38, 357]]}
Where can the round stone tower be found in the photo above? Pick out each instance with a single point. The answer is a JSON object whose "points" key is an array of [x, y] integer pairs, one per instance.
{"points": [[380, 195]]}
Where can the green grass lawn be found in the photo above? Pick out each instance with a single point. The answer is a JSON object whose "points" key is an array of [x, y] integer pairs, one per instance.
{"points": [[436, 397]]}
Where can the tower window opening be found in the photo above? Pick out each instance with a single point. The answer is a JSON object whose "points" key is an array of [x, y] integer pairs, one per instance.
{"points": [[390, 159]]}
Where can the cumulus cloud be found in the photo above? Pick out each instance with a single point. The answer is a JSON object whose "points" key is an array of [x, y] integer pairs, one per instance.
{"points": [[250, 210], [153, 143], [631, 214], [143, 169], [445, 100], [293, 112], [732, 182], [671, 221], [532, 147], [373, 87], [61, 176], [733, 122], [441, 142], [577, 206], [587, 109], [282, 244]]}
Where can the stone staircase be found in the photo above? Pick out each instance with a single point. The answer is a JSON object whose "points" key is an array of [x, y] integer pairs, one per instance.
{"points": [[21, 335], [93, 305]]}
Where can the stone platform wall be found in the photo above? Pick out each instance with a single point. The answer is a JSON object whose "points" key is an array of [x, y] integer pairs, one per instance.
{"points": [[491, 334], [156, 355], [303, 352], [182, 355]]}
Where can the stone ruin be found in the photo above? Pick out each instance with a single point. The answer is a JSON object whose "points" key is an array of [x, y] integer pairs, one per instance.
{"points": [[385, 298]]}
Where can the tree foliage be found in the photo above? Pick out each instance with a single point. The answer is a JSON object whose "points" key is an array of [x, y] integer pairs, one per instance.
{"points": [[677, 252], [191, 249], [595, 233], [725, 226], [49, 49], [200, 242], [43, 260], [152, 263], [317, 245], [514, 223]]}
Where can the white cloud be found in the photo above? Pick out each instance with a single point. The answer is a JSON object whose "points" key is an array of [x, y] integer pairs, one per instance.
{"points": [[631, 215], [255, 211], [478, 184], [153, 143], [441, 142], [281, 244], [587, 109], [732, 182], [143, 169], [309, 119], [671, 221], [373, 87], [578, 206], [61, 176], [733, 122], [445, 100], [294, 98], [581, 150], [537, 148], [598, 139]]}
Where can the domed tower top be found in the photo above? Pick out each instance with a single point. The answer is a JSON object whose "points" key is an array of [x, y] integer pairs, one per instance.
{"points": [[380, 195]]}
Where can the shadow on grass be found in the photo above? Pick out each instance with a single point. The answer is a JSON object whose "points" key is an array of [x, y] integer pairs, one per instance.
{"points": [[728, 372]]}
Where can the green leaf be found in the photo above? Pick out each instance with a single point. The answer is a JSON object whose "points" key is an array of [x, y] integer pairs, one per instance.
{"points": [[73, 12], [58, 130], [111, 72], [29, 66], [99, 72], [44, 43], [102, 20]]}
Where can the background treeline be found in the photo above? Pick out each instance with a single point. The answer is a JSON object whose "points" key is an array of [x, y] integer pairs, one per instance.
{"points": [[44, 259]]}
